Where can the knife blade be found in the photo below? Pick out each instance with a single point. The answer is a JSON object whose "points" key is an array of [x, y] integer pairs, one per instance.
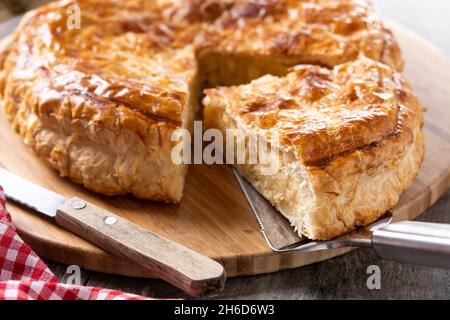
{"points": [[37, 198], [190, 271]]}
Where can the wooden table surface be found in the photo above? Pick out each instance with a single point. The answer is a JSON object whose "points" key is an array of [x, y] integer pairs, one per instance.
{"points": [[344, 277]]}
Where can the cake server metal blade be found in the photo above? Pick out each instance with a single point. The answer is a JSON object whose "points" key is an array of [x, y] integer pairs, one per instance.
{"points": [[411, 242], [282, 237], [30, 195], [276, 229]]}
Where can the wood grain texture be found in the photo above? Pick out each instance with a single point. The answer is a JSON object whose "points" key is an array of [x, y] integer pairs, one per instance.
{"points": [[213, 218], [343, 277], [340, 278], [195, 274]]}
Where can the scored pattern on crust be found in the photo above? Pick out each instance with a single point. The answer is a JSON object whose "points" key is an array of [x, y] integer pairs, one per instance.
{"points": [[320, 113]]}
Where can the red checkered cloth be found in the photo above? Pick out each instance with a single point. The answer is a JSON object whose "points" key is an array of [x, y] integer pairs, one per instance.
{"points": [[24, 276]]}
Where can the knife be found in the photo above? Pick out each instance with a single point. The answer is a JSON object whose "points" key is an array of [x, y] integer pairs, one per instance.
{"points": [[409, 242], [186, 269]]}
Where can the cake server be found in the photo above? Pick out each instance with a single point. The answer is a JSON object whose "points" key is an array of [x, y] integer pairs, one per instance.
{"points": [[410, 242], [186, 269]]}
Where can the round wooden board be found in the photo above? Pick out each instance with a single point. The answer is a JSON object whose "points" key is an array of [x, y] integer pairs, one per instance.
{"points": [[213, 217]]}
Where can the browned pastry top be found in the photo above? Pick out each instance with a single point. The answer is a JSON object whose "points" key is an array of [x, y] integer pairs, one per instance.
{"points": [[321, 113], [140, 55]]}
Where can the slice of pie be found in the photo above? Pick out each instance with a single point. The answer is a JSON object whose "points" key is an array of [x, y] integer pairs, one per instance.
{"points": [[349, 141]]}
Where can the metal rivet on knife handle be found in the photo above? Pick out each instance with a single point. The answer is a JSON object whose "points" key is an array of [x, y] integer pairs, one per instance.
{"points": [[110, 221], [78, 204]]}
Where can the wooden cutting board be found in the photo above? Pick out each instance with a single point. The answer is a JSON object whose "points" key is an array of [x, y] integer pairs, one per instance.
{"points": [[213, 217]]}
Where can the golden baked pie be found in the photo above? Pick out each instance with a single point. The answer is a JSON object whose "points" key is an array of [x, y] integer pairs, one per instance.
{"points": [[100, 102], [350, 140]]}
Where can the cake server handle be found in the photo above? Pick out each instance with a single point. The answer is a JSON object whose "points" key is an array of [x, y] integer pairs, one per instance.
{"points": [[186, 269], [414, 242]]}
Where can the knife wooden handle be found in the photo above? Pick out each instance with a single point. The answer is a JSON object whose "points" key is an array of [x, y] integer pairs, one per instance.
{"points": [[188, 270]]}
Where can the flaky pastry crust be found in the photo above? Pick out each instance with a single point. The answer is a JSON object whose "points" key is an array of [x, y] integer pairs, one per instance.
{"points": [[100, 103]]}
